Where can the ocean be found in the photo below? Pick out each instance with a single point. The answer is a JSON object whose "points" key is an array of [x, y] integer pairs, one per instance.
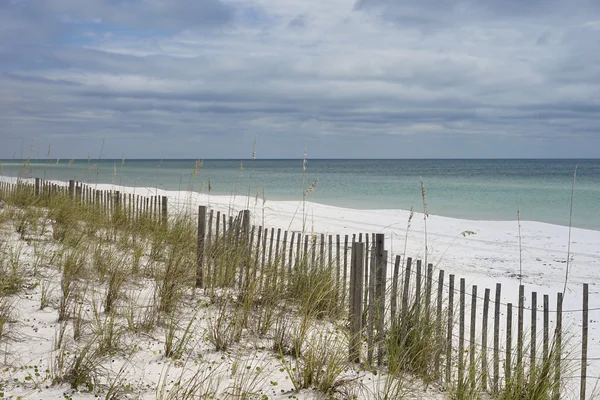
{"points": [[467, 189]]}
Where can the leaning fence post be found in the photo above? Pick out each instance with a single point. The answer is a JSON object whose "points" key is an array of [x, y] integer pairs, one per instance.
{"points": [[356, 286], [584, 343], [200, 251]]}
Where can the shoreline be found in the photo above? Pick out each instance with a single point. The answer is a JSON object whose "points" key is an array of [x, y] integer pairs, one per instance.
{"points": [[221, 199]]}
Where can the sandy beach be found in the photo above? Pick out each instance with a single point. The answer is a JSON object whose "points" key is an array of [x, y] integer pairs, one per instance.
{"points": [[483, 252]]}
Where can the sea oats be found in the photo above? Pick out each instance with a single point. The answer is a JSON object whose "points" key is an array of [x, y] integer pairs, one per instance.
{"points": [[197, 167]]}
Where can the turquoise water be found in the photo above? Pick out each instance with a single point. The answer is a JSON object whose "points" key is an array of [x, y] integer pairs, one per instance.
{"points": [[473, 189]]}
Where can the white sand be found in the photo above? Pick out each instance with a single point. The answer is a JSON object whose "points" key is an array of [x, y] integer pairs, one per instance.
{"points": [[489, 256]]}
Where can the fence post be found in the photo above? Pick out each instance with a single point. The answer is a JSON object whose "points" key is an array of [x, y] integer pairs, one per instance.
{"points": [[356, 286], [418, 277], [472, 336], [291, 257], [37, 187], [461, 336], [164, 208], [546, 328], [200, 251], [520, 336], [428, 291], [341, 286], [508, 360], [584, 343], [438, 320], [484, 340], [366, 267], [246, 248], [283, 257], [404, 310], [381, 276], [533, 333], [449, 331], [71, 188], [497, 337], [372, 307], [345, 268], [394, 293], [558, 340]]}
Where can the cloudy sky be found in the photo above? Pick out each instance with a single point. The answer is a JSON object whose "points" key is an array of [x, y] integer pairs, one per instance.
{"points": [[345, 78]]}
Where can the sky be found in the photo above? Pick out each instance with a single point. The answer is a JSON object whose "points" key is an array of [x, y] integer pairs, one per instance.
{"points": [[339, 78]]}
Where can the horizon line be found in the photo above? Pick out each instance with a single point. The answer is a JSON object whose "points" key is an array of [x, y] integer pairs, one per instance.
{"points": [[300, 158]]}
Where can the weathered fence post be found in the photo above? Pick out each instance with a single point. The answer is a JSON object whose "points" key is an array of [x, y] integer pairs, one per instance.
{"points": [[558, 346], [472, 367], [71, 188], [345, 268], [291, 257], [584, 343], [484, 340], [372, 308], [508, 360], [461, 336], [546, 322], [533, 334], [200, 251], [520, 312], [37, 187], [356, 287], [438, 320], [404, 310], [449, 331], [246, 249], [381, 276], [283, 257], [164, 209], [394, 293], [428, 291], [418, 277], [497, 337]]}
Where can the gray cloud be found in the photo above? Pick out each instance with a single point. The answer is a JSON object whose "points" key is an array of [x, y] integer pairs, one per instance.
{"points": [[373, 78]]}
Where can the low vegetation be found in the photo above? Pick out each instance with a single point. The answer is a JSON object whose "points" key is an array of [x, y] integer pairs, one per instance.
{"points": [[129, 318]]}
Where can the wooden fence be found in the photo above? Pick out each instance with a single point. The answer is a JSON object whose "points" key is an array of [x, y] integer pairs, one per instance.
{"points": [[130, 205], [473, 347]]}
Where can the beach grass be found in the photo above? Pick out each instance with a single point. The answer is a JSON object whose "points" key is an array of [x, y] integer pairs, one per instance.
{"points": [[119, 281]]}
